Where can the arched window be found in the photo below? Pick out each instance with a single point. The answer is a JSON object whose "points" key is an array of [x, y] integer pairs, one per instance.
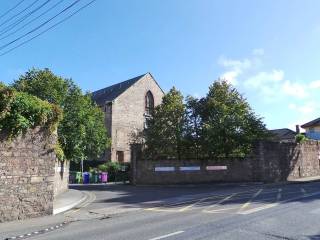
{"points": [[149, 103]]}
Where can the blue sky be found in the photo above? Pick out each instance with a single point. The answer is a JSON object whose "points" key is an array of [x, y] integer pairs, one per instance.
{"points": [[268, 49]]}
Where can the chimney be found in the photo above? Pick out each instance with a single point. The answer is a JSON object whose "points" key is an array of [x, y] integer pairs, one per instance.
{"points": [[297, 129]]}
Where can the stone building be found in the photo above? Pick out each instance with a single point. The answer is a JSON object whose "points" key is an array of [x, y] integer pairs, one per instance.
{"points": [[127, 105]]}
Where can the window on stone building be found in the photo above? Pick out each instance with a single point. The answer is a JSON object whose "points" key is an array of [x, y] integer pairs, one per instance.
{"points": [[149, 103]]}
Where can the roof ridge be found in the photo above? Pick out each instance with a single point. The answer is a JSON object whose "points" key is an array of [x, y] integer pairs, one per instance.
{"points": [[111, 92], [281, 129], [312, 122], [119, 83]]}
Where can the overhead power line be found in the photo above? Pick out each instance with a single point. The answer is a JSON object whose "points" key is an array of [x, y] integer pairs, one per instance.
{"points": [[24, 17], [48, 29], [31, 21], [22, 11], [40, 26], [14, 7]]}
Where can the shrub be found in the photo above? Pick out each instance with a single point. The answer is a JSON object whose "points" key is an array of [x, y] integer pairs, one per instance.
{"points": [[20, 111], [300, 138], [110, 167], [114, 170]]}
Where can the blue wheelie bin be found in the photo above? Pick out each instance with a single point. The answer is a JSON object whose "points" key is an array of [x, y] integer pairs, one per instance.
{"points": [[86, 178]]}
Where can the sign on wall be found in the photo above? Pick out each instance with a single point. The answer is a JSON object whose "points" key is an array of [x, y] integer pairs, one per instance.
{"points": [[216, 168], [164, 169], [190, 168]]}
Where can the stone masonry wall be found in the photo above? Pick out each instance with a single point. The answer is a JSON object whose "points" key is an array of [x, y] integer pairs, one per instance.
{"points": [[288, 161], [269, 162], [238, 170], [27, 169], [61, 177], [128, 114]]}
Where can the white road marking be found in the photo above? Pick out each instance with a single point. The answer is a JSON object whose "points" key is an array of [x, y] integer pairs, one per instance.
{"points": [[219, 210], [219, 202], [156, 209], [197, 202], [167, 235], [278, 203], [270, 205], [250, 200], [192, 200]]}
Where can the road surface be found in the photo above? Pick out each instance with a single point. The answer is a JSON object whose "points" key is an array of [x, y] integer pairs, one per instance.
{"points": [[204, 212]]}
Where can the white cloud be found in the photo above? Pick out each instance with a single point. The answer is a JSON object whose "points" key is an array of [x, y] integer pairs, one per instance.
{"points": [[235, 68], [294, 89], [230, 77], [306, 108], [263, 78], [315, 84], [298, 99], [271, 84]]}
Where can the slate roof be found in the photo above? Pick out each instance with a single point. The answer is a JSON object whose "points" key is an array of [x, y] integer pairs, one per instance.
{"points": [[315, 122], [283, 133], [110, 93]]}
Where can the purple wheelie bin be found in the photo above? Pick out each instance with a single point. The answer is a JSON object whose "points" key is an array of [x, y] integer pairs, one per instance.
{"points": [[104, 177]]}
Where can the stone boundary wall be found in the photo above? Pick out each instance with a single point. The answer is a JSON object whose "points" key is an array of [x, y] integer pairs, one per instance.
{"points": [[269, 162], [61, 177], [287, 161], [27, 170]]}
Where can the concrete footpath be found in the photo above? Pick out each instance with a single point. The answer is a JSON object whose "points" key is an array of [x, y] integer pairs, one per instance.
{"points": [[67, 200], [305, 179], [28, 227]]}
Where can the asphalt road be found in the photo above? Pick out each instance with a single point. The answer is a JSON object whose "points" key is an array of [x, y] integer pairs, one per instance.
{"points": [[194, 212]]}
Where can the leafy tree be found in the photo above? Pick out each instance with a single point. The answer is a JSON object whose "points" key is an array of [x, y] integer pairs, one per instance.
{"points": [[44, 84], [193, 129], [222, 124], [229, 124], [82, 133], [164, 135]]}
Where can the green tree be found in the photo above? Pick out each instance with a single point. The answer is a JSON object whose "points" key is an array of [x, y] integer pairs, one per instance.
{"points": [[82, 133], [164, 135], [44, 84], [193, 128], [229, 124]]}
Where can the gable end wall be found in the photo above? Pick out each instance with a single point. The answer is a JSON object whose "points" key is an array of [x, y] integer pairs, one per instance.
{"points": [[128, 114]]}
